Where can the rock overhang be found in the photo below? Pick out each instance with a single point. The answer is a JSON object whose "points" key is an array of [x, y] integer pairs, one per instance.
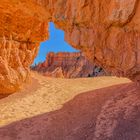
{"points": [[107, 31]]}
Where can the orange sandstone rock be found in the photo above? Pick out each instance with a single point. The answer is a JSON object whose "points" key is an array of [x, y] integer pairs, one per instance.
{"points": [[107, 31], [22, 27]]}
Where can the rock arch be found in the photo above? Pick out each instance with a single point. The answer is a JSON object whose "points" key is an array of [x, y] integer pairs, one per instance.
{"points": [[108, 31]]}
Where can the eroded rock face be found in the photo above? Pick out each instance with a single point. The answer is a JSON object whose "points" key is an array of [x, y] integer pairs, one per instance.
{"points": [[21, 30], [108, 31], [68, 65]]}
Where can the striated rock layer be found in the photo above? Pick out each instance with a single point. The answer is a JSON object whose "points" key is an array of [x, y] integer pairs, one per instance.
{"points": [[108, 31], [67, 65]]}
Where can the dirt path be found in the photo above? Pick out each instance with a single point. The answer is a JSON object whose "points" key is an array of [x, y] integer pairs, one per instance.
{"points": [[55, 109], [47, 94]]}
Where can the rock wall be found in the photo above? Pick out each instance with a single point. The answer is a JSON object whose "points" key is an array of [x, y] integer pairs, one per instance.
{"points": [[21, 30], [68, 65], [108, 31]]}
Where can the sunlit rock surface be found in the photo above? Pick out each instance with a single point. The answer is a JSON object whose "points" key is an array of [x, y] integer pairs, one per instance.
{"points": [[68, 65], [22, 28], [107, 31]]}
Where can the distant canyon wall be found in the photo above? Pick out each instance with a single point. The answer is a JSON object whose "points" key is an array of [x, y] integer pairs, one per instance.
{"points": [[68, 65], [107, 31]]}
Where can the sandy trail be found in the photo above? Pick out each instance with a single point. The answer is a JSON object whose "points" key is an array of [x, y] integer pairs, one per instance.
{"points": [[48, 94], [57, 109], [103, 108]]}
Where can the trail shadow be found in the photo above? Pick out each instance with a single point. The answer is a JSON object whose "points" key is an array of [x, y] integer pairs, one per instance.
{"points": [[76, 120]]}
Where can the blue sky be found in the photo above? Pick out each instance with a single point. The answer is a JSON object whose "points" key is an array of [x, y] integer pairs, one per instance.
{"points": [[56, 43]]}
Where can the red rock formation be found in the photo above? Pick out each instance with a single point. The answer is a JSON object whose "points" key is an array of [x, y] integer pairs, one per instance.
{"points": [[22, 27], [108, 31], [68, 65]]}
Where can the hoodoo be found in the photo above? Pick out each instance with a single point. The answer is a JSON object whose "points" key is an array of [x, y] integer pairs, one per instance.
{"points": [[68, 65]]}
